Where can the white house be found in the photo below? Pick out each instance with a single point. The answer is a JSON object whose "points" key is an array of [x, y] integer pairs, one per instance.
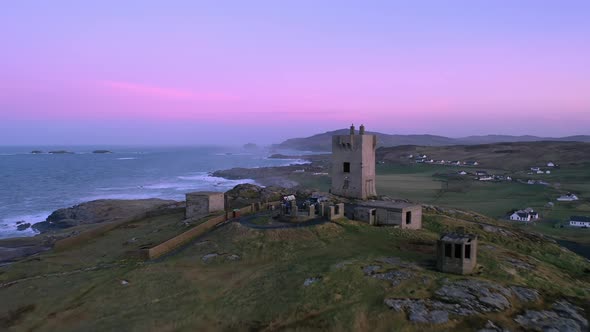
{"points": [[568, 198], [550, 164], [535, 169], [540, 172], [462, 173], [526, 215], [577, 221], [547, 172]]}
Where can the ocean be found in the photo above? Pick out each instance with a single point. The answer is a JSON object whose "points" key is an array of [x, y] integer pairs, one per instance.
{"points": [[34, 185]]}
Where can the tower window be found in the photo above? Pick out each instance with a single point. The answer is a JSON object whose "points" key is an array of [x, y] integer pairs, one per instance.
{"points": [[346, 167], [408, 217]]}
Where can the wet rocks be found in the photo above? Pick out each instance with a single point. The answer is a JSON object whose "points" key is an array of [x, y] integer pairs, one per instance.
{"points": [[22, 226]]}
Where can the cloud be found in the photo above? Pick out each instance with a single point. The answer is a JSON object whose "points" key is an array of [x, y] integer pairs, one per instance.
{"points": [[165, 93]]}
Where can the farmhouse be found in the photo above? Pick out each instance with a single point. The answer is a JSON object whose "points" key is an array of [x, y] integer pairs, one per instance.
{"points": [[526, 215], [569, 197], [578, 221], [550, 164]]}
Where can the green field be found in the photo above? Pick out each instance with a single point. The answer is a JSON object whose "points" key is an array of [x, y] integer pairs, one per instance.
{"points": [[423, 183]]}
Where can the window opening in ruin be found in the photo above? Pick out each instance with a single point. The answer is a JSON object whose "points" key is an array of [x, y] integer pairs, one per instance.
{"points": [[448, 248], [467, 251], [346, 167], [457, 251], [408, 217]]}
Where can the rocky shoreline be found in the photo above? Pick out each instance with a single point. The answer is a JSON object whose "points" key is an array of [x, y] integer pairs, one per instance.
{"points": [[279, 176], [70, 221]]}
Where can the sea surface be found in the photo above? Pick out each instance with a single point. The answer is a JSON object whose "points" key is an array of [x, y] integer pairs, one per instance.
{"points": [[34, 185]]}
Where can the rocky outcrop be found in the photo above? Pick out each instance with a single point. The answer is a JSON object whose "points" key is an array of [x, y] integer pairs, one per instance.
{"points": [[244, 194], [563, 317], [101, 151], [99, 211], [462, 298]]}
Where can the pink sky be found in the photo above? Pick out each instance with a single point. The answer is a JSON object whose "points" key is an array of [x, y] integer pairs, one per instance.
{"points": [[263, 72]]}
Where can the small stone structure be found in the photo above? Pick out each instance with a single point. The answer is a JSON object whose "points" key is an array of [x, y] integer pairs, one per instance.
{"points": [[353, 164], [456, 253], [333, 212], [403, 215], [202, 203]]}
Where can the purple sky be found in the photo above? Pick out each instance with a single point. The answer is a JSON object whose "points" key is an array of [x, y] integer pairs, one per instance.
{"points": [[176, 72]]}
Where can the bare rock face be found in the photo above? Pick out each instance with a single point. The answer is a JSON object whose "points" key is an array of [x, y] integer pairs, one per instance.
{"points": [[563, 317], [98, 211], [476, 295], [420, 311], [464, 298]]}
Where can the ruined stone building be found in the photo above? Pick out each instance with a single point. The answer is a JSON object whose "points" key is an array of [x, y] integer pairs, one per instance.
{"points": [[202, 203], [456, 253], [402, 215], [353, 164]]}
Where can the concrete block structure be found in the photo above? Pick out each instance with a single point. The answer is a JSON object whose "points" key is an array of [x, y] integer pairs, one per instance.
{"points": [[353, 164], [402, 215], [202, 203], [456, 253], [333, 212]]}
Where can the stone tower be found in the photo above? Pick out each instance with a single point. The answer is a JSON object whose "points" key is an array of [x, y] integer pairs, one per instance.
{"points": [[353, 164]]}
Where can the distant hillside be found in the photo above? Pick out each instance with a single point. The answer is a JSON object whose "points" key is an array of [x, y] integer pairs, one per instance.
{"points": [[488, 139], [323, 142], [507, 155]]}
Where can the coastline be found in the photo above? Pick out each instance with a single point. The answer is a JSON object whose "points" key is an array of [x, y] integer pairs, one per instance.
{"points": [[280, 176]]}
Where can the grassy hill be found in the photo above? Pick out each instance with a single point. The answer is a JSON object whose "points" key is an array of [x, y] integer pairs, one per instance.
{"points": [[335, 276], [323, 142]]}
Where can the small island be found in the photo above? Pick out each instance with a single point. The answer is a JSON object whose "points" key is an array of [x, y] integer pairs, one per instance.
{"points": [[102, 151], [36, 152]]}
